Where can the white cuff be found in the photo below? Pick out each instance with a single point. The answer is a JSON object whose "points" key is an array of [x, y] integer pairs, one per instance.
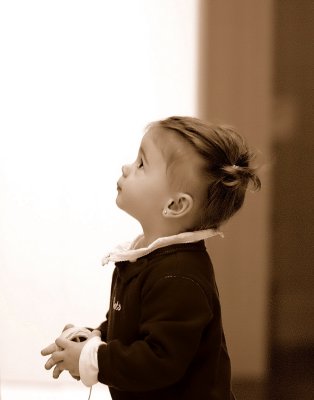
{"points": [[88, 363]]}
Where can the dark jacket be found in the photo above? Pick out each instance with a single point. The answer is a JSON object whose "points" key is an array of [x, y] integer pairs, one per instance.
{"points": [[163, 331]]}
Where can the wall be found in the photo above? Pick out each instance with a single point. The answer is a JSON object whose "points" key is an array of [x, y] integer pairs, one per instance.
{"points": [[292, 333], [293, 219]]}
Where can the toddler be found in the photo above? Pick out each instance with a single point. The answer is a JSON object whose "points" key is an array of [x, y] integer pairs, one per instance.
{"points": [[163, 336]]}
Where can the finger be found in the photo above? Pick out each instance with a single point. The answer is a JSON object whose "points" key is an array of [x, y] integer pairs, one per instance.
{"points": [[56, 357], [67, 326], [56, 372], [75, 377], [49, 349], [50, 363], [62, 342]]}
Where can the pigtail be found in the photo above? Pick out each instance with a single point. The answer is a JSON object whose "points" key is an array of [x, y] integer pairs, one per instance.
{"points": [[238, 177]]}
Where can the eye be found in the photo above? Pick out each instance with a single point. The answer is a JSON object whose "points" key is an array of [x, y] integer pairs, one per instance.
{"points": [[140, 164]]}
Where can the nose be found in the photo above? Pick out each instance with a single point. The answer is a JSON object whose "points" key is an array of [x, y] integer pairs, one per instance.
{"points": [[125, 170]]}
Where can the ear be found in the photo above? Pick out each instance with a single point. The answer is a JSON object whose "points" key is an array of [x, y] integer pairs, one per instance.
{"points": [[179, 206]]}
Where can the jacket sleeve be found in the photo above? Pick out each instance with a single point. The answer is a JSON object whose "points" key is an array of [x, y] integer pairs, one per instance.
{"points": [[175, 312], [88, 365]]}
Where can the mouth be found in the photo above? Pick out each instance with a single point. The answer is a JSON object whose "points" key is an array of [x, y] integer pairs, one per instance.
{"points": [[118, 187]]}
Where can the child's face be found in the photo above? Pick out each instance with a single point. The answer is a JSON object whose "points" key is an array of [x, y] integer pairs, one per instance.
{"points": [[143, 188]]}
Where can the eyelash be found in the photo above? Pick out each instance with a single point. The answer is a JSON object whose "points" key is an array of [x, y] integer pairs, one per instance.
{"points": [[140, 164]]}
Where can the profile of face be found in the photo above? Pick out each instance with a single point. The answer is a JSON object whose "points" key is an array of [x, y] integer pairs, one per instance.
{"points": [[143, 188], [153, 195]]}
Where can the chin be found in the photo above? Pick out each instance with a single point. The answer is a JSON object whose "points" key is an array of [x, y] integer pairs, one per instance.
{"points": [[128, 209], [118, 201], [120, 205]]}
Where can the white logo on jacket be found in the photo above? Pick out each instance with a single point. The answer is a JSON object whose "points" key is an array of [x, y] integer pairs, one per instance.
{"points": [[116, 305]]}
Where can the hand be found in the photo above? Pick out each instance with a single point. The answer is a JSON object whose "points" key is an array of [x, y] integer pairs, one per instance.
{"points": [[53, 347], [65, 359]]}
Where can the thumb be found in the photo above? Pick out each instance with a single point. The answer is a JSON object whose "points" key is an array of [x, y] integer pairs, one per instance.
{"points": [[95, 332], [67, 326]]}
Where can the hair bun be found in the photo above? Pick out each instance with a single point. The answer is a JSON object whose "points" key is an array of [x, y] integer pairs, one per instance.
{"points": [[236, 177]]}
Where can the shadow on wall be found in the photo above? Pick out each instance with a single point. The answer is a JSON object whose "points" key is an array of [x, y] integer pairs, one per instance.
{"points": [[234, 53], [292, 319]]}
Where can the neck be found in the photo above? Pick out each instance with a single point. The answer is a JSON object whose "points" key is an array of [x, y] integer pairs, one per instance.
{"points": [[150, 236]]}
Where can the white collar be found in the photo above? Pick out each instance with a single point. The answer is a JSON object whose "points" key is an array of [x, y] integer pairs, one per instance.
{"points": [[128, 252]]}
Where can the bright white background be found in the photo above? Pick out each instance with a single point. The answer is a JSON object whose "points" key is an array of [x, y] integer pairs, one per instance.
{"points": [[79, 80]]}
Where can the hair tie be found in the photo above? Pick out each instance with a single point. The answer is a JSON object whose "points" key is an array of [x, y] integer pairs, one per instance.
{"points": [[235, 166]]}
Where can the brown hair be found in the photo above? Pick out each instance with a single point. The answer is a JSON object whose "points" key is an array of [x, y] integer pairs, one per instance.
{"points": [[227, 166]]}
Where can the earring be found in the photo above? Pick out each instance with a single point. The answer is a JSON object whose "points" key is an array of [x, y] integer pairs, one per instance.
{"points": [[165, 212]]}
